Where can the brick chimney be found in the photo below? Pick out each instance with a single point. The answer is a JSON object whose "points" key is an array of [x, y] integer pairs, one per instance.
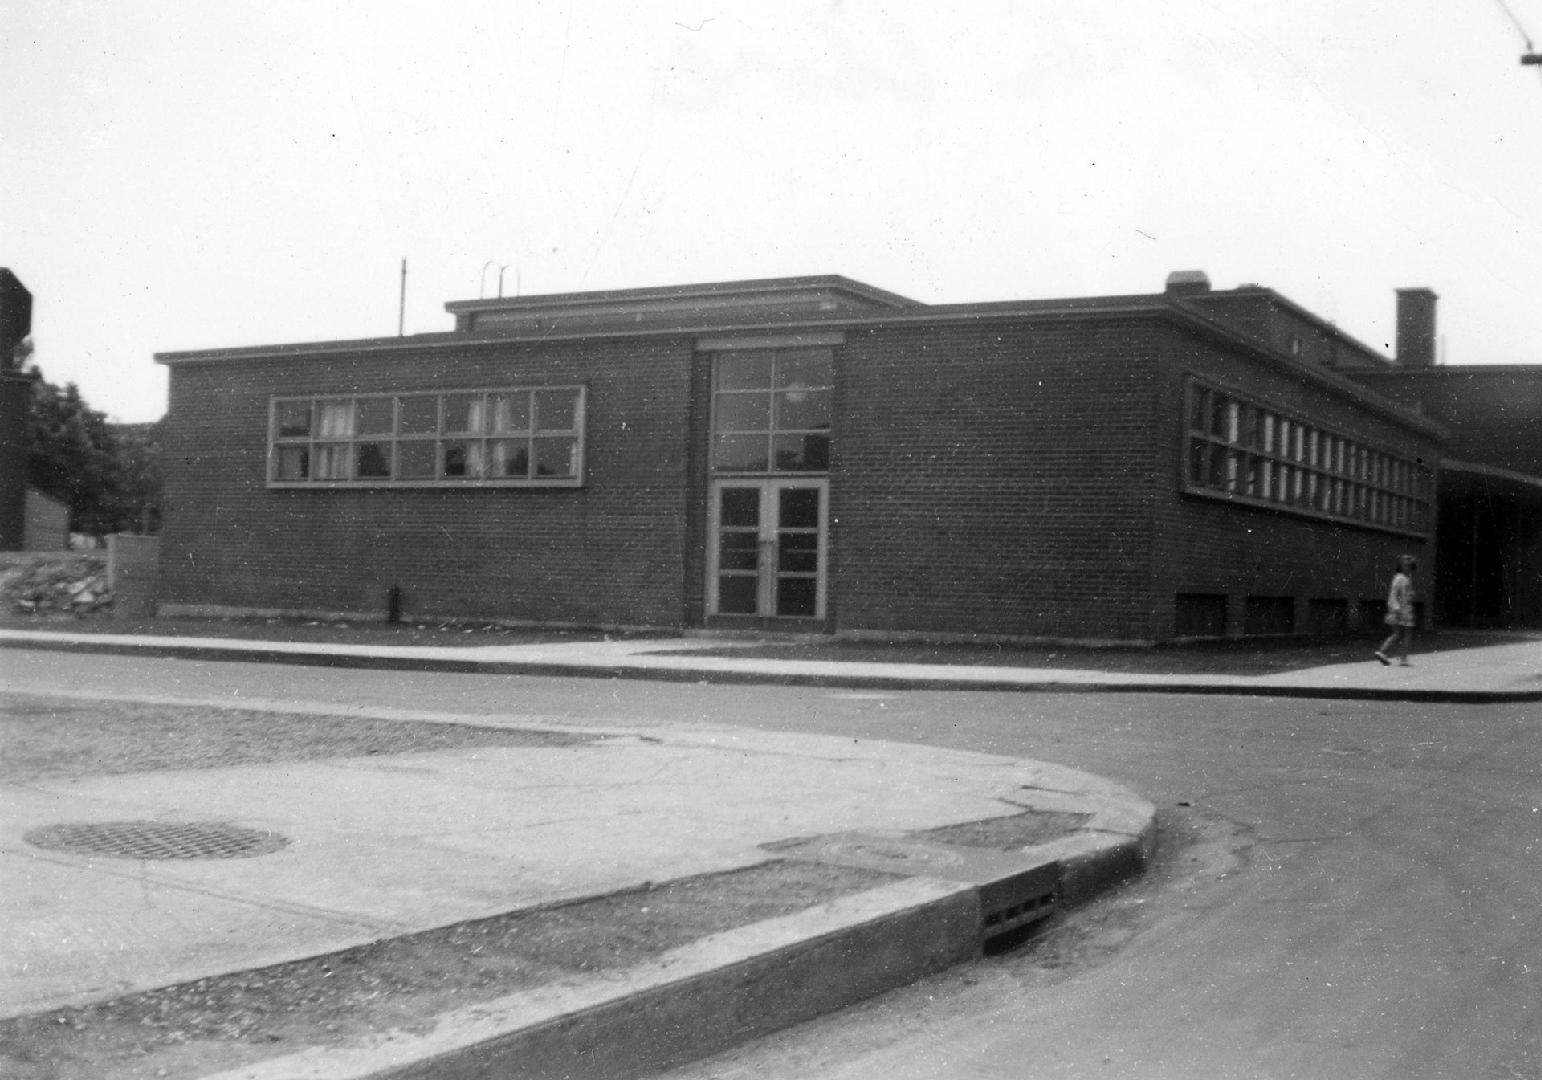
{"points": [[1416, 327]]}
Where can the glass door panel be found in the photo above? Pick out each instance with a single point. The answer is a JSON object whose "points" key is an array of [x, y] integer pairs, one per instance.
{"points": [[797, 569], [768, 549], [738, 549]]}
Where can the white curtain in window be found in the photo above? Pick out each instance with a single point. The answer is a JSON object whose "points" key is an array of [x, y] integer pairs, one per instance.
{"points": [[332, 462], [502, 413], [336, 419]]}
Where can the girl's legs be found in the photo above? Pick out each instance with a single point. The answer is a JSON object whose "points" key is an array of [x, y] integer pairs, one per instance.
{"points": [[1381, 650]]}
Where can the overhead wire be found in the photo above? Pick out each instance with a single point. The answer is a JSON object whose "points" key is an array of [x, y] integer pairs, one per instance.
{"points": [[1530, 48]]}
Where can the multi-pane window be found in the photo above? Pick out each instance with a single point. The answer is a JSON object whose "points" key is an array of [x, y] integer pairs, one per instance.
{"points": [[771, 410], [1252, 453], [503, 437]]}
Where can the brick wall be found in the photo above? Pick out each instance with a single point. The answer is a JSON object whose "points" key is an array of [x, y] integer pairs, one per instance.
{"points": [[1005, 478], [1208, 547], [1024, 480], [993, 479], [609, 553], [1494, 415]]}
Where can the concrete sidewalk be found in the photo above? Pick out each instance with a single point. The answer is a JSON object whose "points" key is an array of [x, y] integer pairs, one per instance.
{"points": [[1510, 672], [377, 847]]}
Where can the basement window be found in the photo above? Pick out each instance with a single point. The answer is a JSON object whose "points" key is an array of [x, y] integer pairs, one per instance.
{"points": [[500, 437]]}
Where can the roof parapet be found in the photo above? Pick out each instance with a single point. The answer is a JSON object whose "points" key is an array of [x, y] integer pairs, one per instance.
{"points": [[764, 299]]}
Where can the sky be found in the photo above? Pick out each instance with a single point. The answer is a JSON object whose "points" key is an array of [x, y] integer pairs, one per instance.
{"points": [[179, 176]]}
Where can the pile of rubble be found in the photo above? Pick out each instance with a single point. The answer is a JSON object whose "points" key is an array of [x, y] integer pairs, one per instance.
{"points": [[63, 585]]}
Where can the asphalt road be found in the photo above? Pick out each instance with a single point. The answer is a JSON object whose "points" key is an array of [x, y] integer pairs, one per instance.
{"points": [[1350, 891]]}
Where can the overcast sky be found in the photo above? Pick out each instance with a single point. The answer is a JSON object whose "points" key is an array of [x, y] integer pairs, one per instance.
{"points": [[186, 176]]}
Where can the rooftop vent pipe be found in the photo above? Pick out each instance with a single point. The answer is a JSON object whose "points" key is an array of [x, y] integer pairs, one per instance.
{"points": [[1187, 283]]}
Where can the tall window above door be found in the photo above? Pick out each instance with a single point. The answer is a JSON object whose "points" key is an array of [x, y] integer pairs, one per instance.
{"points": [[771, 410]]}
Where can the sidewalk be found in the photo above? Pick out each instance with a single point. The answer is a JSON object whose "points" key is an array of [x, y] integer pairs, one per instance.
{"points": [[1494, 673], [919, 859]]}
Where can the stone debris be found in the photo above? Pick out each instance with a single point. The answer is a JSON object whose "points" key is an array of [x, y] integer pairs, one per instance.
{"points": [[66, 585]]}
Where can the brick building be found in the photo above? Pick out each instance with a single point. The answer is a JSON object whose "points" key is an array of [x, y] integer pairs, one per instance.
{"points": [[17, 507], [1490, 499], [806, 454]]}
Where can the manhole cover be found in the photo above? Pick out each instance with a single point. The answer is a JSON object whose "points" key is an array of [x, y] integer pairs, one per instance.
{"points": [[157, 839]]}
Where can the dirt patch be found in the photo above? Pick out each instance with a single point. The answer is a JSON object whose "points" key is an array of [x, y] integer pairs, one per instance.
{"points": [[59, 738], [1254, 656], [1264, 656], [431, 633], [1195, 855], [1008, 833], [401, 983]]}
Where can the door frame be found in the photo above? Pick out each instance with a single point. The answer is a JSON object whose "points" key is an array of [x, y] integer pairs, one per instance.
{"points": [[768, 528]]}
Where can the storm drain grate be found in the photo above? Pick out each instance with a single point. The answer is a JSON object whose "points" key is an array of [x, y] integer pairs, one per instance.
{"points": [[157, 839]]}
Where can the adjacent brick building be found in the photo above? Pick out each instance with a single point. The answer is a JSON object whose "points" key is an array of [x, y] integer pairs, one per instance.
{"points": [[806, 454], [1490, 505]]}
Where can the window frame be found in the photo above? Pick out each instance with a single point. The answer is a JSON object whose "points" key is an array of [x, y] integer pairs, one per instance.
{"points": [[314, 443], [1241, 449], [775, 395]]}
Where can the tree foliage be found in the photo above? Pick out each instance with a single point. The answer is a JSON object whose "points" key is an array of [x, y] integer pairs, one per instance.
{"points": [[108, 476], [139, 465]]}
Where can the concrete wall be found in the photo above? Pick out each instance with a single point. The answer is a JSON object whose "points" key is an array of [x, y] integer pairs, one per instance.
{"points": [[132, 563]]}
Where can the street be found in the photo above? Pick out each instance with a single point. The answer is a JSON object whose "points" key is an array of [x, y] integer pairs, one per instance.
{"points": [[1347, 889]]}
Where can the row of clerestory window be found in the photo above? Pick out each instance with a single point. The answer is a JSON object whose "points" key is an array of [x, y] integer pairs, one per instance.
{"points": [[503, 436]]}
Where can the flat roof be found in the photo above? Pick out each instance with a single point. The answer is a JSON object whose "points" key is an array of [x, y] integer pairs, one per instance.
{"points": [[879, 309]]}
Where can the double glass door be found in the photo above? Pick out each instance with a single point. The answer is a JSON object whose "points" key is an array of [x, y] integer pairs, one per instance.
{"points": [[768, 548]]}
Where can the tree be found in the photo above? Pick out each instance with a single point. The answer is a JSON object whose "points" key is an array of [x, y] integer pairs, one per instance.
{"points": [[139, 464], [110, 484]]}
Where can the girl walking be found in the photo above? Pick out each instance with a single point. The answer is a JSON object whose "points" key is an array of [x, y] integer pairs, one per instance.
{"points": [[1400, 612]]}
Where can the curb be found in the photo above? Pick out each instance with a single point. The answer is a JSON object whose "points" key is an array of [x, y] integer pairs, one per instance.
{"points": [[733, 677], [719, 992]]}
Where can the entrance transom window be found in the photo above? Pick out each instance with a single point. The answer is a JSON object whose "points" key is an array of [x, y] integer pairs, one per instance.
{"points": [[771, 411]]}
